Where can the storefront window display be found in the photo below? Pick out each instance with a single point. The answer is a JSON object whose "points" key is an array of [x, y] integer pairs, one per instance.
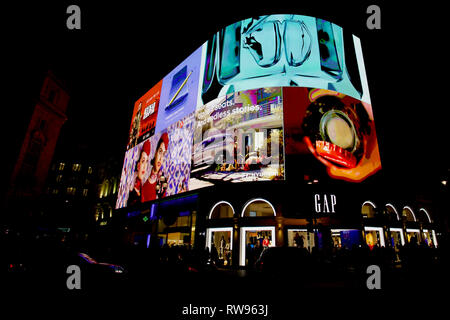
{"points": [[397, 238], [301, 238], [427, 239], [220, 244], [345, 238], [177, 239], [413, 236], [430, 237], [374, 237], [253, 241]]}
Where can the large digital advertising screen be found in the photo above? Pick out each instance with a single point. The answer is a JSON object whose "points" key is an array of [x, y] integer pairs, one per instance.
{"points": [[260, 90], [336, 129]]}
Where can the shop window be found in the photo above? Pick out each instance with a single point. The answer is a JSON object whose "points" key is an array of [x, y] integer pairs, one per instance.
{"points": [[178, 239], [253, 241], [368, 209], [183, 221], [427, 239], [258, 208], [408, 214], [220, 210], [413, 236], [219, 241], [374, 237], [345, 238], [397, 238], [301, 238]]}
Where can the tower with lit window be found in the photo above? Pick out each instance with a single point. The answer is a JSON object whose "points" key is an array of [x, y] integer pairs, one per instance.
{"points": [[31, 168]]}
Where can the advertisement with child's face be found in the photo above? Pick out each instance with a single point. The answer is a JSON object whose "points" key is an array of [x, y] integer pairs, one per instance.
{"points": [[241, 103], [239, 137], [159, 166]]}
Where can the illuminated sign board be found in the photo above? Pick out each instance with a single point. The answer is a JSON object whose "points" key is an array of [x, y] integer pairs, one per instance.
{"points": [[258, 92]]}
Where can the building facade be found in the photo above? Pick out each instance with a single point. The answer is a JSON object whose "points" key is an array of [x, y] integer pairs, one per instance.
{"points": [[264, 136]]}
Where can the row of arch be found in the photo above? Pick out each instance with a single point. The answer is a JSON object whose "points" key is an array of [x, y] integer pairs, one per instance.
{"points": [[260, 207], [369, 209], [253, 208]]}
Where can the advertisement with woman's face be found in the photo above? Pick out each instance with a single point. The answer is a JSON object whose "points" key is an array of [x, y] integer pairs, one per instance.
{"points": [[158, 167], [260, 91]]}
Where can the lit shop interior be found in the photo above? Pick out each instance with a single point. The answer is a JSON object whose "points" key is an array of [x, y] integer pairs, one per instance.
{"points": [[264, 136]]}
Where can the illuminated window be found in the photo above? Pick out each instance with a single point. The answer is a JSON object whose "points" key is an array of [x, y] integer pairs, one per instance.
{"points": [[55, 191], [392, 212], [89, 170], [408, 214], [61, 166], [85, 192], [105, 189], [368, 209], [115, 185], [59, 178], [76, 167], [424, 216], [221, 209], [258, 208], [71, 190], [183, 221]]}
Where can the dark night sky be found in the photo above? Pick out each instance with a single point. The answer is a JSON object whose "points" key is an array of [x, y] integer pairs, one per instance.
{"points": [[123, 49]]}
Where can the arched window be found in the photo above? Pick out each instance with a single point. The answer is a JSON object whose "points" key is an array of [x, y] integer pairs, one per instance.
{"points": [[408, 214], [424, 216], [258, 208], [368, 209], [104, 189], [220, 210], [392, 212]]}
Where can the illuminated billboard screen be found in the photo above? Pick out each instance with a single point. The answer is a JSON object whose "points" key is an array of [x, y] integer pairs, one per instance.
{"points": [[258, 92], [239, 137], [144, 116], [337, 130]]}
